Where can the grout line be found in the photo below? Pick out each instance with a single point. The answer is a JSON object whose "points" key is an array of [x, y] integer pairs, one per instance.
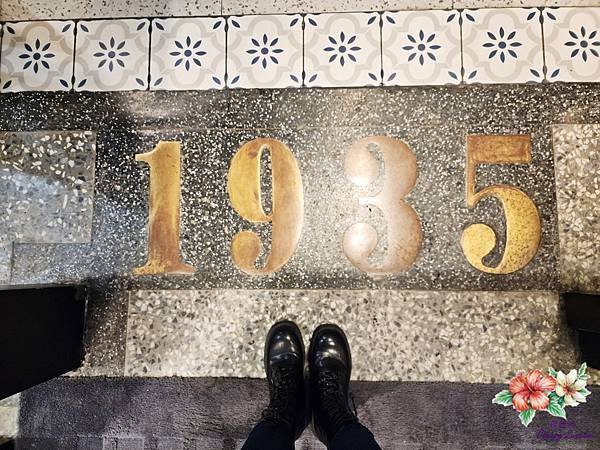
{"points": [[544, 67], [303, 74], [150, 30], [1, 41], [461, 21], [226, 77], [12, 262], [381, 72], [74, 56]]}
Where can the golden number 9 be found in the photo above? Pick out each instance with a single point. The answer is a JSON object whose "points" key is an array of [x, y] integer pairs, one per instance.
{"points": [[243, 185], [523, 229], [403, 225]]}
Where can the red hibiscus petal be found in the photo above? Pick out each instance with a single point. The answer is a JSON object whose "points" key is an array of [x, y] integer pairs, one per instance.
{"points": [[539, 400], [546, 383], [518, 384], [533, 377], [520, 401]]}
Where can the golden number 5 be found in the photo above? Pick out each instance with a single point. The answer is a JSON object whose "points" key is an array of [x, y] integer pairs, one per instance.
{"points": [[163, 226], [243, 185], [523, 229], [403, 224]]}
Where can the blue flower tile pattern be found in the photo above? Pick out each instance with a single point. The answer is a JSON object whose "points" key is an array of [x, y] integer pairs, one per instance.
{"points": [[188, 53], [502, 45], [572, 42], [112, 55], [37, 56], [421, 47], [264, 51], [342, 49]]}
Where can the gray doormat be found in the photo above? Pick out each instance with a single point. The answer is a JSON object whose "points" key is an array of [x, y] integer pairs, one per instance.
{"points": [[218, 413]]}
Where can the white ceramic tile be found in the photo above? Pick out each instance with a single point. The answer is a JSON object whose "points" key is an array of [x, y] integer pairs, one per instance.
{"points": [[572, 40], [342, 49], [238, 7], [37, 56], [188, 53], [421, 47], [112, 55], [502, 45], [264, 51], [100, 9]]}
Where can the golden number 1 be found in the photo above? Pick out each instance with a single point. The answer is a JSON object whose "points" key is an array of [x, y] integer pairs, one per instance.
{"points": [[163, 226], [243, 185], [523, 228]]}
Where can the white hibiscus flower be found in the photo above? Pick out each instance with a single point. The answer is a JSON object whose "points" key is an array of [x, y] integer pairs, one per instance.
{"points": [[568, 386]]}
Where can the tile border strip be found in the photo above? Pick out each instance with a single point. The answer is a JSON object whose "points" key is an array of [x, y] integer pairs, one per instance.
{"points": [[347, 49]]}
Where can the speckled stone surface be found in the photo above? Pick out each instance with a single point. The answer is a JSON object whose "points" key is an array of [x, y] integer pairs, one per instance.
{"points": [[577, 154], [9, 415], [318, 6], [497, 3], [83, 9], [319, 141], [433, 120], [47, 185], [394, 335]]}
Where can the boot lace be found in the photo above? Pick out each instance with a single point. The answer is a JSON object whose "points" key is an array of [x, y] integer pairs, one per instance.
{"points": [[333, 403], [283, 396]]}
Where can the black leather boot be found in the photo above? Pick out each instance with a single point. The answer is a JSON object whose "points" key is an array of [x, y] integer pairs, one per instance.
{"points": [[284, 365], [330, 365]]}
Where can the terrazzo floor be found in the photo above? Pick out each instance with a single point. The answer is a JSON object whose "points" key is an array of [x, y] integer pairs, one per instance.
{"points": [[442, 320], [394, 335]]}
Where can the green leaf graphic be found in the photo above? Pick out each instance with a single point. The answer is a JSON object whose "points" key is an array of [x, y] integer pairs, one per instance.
{"points": [[503, 398], [581, 372], [584, 391], [554, 398], [556, 410], [527, 416], [552, 372]]}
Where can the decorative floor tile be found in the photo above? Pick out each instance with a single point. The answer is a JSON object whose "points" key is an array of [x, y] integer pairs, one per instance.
{"points": [[502, 45], [342, 49], [112, 55], [577, 153], [264, 51], [221, 332], [37, 56], [187, 53], [572, 44], [421, 47], [69, 9], [47, 181]]}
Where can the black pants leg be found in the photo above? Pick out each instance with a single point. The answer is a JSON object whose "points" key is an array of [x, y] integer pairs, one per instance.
{"points": [[269, 436], [354, 436]]}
